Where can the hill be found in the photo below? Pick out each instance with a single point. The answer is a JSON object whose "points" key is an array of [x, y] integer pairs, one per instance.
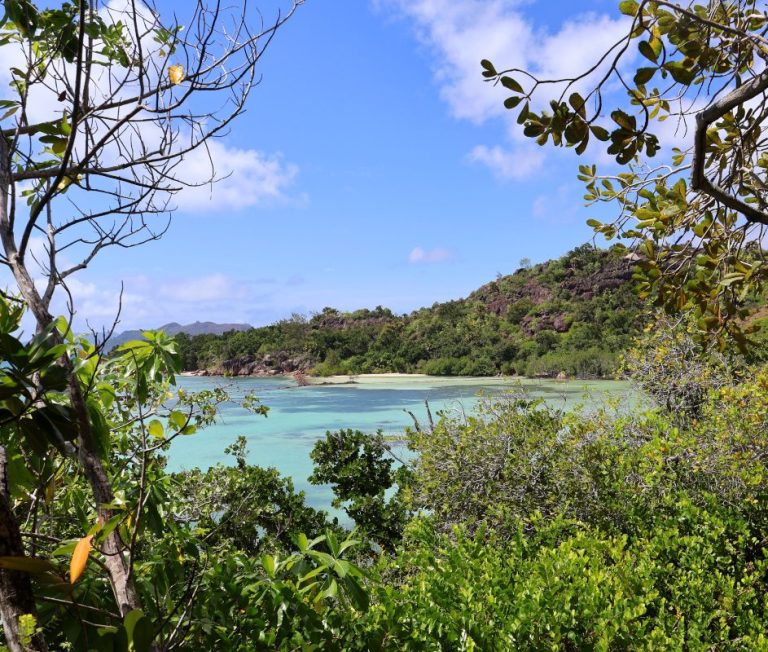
{"points": [[174, 328], [573, 315]]}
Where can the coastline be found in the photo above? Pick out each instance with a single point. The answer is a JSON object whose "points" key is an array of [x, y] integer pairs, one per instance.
{"points": [[395, 379]]}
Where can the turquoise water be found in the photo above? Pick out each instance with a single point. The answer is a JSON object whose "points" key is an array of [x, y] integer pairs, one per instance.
{"points": [[298, 416]]}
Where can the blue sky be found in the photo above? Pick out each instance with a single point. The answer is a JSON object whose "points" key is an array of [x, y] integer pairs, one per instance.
{"points": [[373, 166]]}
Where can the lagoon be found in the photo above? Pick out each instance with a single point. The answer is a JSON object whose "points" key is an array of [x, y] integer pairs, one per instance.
{"points": [[298, 416]]}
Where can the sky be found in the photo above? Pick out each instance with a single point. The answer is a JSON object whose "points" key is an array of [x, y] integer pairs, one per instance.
{"points": [[373, 166]]}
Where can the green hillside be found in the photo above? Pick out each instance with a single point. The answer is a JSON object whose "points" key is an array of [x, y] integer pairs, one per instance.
{"points": [[572, 315]]}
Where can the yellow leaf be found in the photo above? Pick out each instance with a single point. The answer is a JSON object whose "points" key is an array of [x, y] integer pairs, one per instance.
{"points": [[50, 490], [176, 74], [67, 181], [79, 558]]}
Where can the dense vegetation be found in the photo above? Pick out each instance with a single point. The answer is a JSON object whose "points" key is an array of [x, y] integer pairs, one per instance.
{"points": [[572, 315], [519, 527], [516, 528]]}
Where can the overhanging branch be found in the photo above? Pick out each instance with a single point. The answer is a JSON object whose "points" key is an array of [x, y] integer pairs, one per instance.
{"points": [[715, 111]]}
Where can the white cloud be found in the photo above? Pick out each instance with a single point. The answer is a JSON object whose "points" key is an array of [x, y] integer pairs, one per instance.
{"points": [[149, 302], [246, 178], [515, 163], [215, 287], [437, 255], [459, 33]]}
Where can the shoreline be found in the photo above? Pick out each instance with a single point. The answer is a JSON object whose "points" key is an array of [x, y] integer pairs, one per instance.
{"points": [[395, 377]]}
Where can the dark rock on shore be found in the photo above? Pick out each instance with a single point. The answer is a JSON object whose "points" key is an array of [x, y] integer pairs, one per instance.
{"points": [[275, 364]]}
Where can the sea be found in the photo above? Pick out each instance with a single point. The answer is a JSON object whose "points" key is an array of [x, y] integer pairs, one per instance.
{"points": [[299, 415]]}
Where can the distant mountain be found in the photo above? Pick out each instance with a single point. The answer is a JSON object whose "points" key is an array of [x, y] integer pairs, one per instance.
{"points": [[174, 328]]}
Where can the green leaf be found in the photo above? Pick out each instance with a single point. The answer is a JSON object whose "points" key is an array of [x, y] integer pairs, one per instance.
{"points": [[629, 7], [178, 420], [28, 565], [66, 549], [650, 49], [679, 72], [332, 542], [348, 543], [625, 121], [523, 116], [582, 146], [99, 428], [599, 132], [356, 593], [644, 75], [511, 84], [59, 147], [488, 66], [512, 102], [577, 103], [139, 631], [330, 592], [109, 526], [155, 429], [23, 14], [57, 421], [268, 562], [9, 112], [730, 279]]}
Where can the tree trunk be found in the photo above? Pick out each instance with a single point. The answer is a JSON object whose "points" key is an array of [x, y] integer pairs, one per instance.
{"points": [[93, 468], [16, 596]]}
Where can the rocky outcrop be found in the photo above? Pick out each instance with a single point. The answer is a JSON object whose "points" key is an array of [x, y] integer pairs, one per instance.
{"points": [[497, 301], [615, 274], [545, 321], [276, 364], [570, 284]]}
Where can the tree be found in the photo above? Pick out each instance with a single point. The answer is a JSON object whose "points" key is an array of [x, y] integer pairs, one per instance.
{"points": [[105, 104], [698, 217], [672, 368], [359, 468]]}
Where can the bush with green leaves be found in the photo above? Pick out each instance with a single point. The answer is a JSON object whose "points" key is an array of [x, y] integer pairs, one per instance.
{"points": [[245, 507], [671, 366], [686, 584], [614, 529], [612, 468], [298, 600], [359, 467]]}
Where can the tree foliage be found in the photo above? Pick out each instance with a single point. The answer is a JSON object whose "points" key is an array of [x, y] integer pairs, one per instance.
{"points": [[359, 468], [696, 216], [518, 527], [602, 530], [97, 119]]}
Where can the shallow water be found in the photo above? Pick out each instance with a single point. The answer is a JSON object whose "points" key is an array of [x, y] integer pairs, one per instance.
{"points": [[298, 416]]}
